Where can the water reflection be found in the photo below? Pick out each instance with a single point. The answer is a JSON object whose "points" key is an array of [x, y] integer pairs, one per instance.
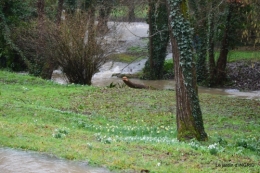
{"points": [[14, 161]]}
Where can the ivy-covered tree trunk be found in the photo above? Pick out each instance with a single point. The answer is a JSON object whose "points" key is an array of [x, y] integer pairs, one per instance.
{"points": [[188, 115], [158, 39]]}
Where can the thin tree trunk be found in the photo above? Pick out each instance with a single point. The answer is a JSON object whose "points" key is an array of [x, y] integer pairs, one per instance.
{"points": [[222, 60], [150, 11], [212, 63], [59, 12], [40, 12], [188, 114], [200, 40], [131, 12], [47, 62], [104, 13]]}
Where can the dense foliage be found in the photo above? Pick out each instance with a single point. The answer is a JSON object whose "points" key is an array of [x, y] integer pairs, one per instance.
{"points": [[12, 14]]}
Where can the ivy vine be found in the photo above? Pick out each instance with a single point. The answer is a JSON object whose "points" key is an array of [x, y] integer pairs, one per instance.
{"points": [[159, 38], [182, 31]]}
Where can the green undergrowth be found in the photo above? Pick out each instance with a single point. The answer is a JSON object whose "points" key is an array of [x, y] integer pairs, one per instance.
{"points": [[122, 11], [126, 130]]}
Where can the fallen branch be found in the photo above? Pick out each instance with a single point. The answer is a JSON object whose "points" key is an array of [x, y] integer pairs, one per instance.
{"points": [[135, 85]]}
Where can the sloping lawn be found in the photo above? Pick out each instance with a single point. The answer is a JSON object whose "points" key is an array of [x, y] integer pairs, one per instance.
{"points": [[126, 130]]}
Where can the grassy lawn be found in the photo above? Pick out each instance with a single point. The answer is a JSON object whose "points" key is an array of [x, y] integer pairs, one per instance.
{"points": [[126, 129], [238, 55]]}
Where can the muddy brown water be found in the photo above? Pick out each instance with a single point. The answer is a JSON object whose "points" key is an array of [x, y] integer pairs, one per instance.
{"points": [[15, 161], [163, 84]]}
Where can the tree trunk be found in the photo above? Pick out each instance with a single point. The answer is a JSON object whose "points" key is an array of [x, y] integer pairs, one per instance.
{"points": [[200, 38], [131, 12], [211, 48], [40, 12], [59, 12], [222, 60], [158, 39], [47, 63], [188, 114], [104, 13], [150, 13]]}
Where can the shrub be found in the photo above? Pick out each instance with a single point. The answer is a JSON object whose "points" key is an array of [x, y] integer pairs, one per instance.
{"points": [[74, 46]]}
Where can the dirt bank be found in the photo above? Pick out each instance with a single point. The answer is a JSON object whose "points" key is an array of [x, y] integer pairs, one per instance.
{"points": [[244, 75]]}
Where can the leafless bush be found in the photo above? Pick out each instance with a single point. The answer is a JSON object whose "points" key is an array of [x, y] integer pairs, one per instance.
{"points": [[74, 46], [27, 39]]}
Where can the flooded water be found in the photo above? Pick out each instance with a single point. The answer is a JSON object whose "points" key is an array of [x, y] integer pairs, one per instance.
{"points": [[105, 77], [14, 161]]}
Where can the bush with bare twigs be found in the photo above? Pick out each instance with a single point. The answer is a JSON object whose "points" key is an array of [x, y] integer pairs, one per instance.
{"points": [[74, 45]]}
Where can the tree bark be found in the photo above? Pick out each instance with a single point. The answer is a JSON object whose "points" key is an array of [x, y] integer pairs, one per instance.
{"points": [[188, 112], [158, 39], [222, 60]]}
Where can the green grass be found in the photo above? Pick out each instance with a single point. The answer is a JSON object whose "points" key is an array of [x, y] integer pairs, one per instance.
{"points": [[237, 55], [124, 57], [126, 129], [122, 11], [134, 53]]}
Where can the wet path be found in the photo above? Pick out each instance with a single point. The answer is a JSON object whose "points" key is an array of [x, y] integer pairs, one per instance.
{"points": [[14, 161]]}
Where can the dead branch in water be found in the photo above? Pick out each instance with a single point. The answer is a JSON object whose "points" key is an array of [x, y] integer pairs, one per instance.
{"points": [[135, 85]]}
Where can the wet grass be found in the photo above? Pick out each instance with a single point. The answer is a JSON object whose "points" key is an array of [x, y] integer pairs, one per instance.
{"points": [[122, 11], [126, 129], [126, 57], [240, 55]]}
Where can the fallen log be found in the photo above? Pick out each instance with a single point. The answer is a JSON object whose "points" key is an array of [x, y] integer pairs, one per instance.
{"points": [[135, 85]]}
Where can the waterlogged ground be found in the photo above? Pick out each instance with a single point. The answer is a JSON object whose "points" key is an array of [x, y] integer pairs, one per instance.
{"points": [[126, 130], [17, 161]]}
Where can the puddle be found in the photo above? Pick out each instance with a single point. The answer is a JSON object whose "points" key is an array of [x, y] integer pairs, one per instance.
{"points": [[14, 161]]}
